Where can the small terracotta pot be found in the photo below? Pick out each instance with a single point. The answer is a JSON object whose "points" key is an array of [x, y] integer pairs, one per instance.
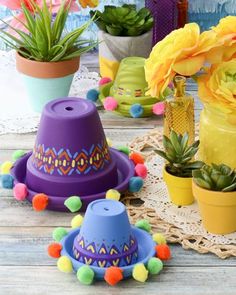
{"points": [[179, 188], [217, 209], [46, 81]]}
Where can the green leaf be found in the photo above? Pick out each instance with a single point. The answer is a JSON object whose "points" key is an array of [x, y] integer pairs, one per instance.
{"points": [[202, 183], [78, 52], [230, 188], [163, 155], [29, 18], [175, 142], [184, 141], [194, 165]]}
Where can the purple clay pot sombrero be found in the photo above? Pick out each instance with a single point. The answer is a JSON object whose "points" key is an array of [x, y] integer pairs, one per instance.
{"points": [[71, 157], [106, 245]]}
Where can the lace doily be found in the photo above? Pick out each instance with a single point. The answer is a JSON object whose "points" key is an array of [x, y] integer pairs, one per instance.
{"points": [[16, 115], [180, 224]]}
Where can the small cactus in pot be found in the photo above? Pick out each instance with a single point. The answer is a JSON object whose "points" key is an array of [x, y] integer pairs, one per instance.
{"points": [[180, 164], [214, 187]]}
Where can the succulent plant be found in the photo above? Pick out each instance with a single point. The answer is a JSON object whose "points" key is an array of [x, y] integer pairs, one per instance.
{"points": [[123, 21], [179, 154], [44, 39], [216, 178]]}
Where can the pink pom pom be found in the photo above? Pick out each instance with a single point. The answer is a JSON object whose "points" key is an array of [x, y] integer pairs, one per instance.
{"points": [[110, 104], [20, 191], [158, 108], [104, 81], [141, 170]]}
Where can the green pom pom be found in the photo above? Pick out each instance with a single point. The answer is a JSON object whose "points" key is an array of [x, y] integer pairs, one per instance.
{"points": [[17, 155], [59, 233], [143, 224], [154, 266], [85, 275], [73, 203], [124, 149]]}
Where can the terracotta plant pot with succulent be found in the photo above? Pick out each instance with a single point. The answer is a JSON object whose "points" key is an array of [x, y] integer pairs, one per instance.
{"points": [[46, 56], [123, 32], [179, 165], [214, 187]]}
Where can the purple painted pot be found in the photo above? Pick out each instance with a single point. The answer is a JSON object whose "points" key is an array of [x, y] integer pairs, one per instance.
{"points": [[105, 237], [71, 156]]}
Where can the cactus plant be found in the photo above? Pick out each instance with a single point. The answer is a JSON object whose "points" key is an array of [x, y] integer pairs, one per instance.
{"points": [[124, 20], [179, 155], [216, 178]]}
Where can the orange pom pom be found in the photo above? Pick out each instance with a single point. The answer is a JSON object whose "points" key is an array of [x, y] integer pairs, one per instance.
{"points": [[163, 252], [54, 250], [113, 275], [137, 158], [40, 202]]}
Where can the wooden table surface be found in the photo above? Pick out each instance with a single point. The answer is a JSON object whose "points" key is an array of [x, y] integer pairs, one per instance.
{"points": [[26, 269]]}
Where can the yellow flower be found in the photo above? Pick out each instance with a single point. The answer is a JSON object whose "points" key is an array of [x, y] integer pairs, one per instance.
{"points": [[226, 33], [183, 52], [218, 86]]}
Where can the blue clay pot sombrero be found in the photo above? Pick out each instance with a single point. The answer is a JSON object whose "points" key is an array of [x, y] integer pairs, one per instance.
{"points": [[106, 244]]}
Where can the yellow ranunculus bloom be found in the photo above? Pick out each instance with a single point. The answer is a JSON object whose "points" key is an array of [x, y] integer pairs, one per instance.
{"points": [[183, 52], [226, 33], [218, 86]]}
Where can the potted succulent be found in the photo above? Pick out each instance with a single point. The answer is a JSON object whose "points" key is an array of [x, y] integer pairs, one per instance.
{"points": [[46, 56], [178, 170], [123, 32], [214, 187]]}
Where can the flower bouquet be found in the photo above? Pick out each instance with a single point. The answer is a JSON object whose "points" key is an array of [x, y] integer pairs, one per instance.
{"points": [[210, 58]]}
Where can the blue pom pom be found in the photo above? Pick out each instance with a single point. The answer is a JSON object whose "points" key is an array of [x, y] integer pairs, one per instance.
{"points": [[7, 181], [136, 110], [92, 95], [135, 184]]}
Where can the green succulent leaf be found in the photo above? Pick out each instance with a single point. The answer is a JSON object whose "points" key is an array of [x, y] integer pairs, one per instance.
{"points": [[230, 188], [202, 183], [124, 20], [175, 141]]}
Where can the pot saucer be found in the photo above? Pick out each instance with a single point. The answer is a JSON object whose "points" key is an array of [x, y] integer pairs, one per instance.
{"points": [[125, 170], [146, 250]]}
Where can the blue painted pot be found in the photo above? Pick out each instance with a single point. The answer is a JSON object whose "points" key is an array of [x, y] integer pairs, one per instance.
{"points": [[46, 81], [106, 238], [41, 91]]}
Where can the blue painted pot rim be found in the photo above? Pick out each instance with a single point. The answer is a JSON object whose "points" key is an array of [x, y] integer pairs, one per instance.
{"points": [[146, 250]]}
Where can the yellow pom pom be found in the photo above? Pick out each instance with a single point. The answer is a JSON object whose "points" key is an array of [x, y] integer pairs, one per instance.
{"points": [[64, 264], [140, 273], [77, 221], [6, 167], [113, 194], [159, 239], [109, 142]]}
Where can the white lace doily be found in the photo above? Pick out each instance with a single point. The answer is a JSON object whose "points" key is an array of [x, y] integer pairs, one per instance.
{"points": [[16, 115]]}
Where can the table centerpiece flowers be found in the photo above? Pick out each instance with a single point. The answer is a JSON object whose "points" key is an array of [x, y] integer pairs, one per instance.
{"points": [[209, 58]]}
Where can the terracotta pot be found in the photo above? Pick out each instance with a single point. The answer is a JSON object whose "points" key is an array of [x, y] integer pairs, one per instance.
{"points": [[46, 81], [179, 188], [217, 209]]}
